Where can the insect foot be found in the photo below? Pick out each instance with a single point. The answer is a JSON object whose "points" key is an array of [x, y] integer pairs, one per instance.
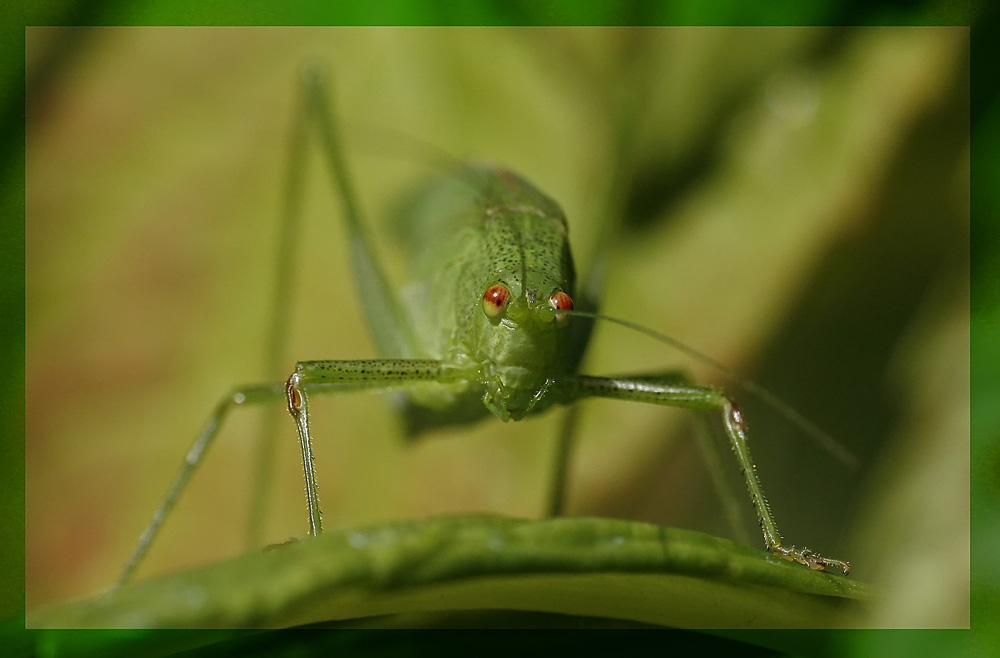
{"points": [[814, 561]]}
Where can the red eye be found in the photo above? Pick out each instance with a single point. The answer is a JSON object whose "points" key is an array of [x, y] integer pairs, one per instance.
{"points": [[560, 301], [495, 301]]}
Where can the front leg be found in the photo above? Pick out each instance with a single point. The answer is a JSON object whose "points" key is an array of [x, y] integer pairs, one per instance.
{"points": [[665, 390], [338, 377]]}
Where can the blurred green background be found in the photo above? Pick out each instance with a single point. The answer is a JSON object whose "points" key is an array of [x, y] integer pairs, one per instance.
{"points": [[795, 204]]}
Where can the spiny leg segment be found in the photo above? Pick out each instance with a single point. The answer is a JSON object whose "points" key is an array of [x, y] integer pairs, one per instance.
{"points": [[315, 118], [320, 377], [338, 377], [659, 389]]}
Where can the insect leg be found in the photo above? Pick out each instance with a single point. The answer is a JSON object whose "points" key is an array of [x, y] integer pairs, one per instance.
{"points": [[556, 503], [246, 395], [731, 508], [384, 314], [659, 389], [338, 377], [314, 117], [709, 449], [280, 310]]}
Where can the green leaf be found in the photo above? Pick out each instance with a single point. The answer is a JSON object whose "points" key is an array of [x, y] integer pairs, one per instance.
{"points": [[574, 566]]}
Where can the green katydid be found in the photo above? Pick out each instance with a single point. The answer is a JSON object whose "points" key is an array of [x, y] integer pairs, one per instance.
{"points": [[488, 326]]}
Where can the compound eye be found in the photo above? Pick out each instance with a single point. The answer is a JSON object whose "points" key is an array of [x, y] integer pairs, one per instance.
{"points": [[495, 301], [560, 301]]}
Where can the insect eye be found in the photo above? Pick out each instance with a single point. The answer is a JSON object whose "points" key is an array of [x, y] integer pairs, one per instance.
{"points": [[560, 301], [495, 301]]}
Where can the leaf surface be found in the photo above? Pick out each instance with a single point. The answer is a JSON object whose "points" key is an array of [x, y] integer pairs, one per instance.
{"points": [[574, 566]]}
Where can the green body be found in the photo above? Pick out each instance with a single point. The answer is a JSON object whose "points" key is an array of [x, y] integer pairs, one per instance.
{"points": [[483, 227]]}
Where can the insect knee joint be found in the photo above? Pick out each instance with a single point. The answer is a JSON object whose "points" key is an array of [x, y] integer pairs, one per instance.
{"points": [[734, 416], [293, 396]]}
